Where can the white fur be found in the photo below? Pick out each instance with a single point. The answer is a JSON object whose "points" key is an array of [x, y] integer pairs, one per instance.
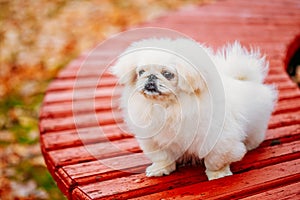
{"points": [[182, 122]]}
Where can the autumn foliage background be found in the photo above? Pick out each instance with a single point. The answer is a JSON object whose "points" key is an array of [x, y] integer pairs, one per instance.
{"points": [[37, 39]]}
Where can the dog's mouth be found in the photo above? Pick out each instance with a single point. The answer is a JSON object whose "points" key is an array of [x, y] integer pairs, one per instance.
{"points": [[151, 88]]}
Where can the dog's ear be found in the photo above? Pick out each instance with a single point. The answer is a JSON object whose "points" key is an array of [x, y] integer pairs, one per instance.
{"points": [[190, 80], [125, 70]]}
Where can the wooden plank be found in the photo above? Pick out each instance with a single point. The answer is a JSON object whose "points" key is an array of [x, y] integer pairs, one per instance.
{"points": [[284, 119], [268, 156], [289, 94], [282, 134], [291, 191], [287, 105], [105, 169], [253, 160], [67, 74], [66, 84], [63, 186], [273, 78], [95, 59], [268, 5], [230, 19], [74, 71], [91, 152], [64, 109], [80, 121], [230, 187], [286, 85], [66, 183], [80, 94], [82, 136]]}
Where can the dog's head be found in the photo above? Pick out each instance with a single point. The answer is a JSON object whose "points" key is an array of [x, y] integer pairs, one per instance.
{"points": [[157, 73], [156, 80]]}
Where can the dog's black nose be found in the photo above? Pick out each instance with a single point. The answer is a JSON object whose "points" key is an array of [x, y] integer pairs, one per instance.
{"points": [[152, 77], [151, 86]]}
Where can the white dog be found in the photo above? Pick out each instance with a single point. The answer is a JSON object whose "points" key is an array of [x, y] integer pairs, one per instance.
{"points": [[181, 111]]}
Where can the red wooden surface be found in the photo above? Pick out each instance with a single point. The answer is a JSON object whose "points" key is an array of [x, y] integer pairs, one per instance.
{"points": [[92, 163]]}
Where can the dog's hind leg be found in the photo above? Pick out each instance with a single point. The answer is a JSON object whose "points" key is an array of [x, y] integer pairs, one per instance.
{"points": [[218, 161]]}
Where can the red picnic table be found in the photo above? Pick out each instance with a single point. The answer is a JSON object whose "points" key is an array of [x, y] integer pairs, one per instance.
{"points": [[91, 156]]}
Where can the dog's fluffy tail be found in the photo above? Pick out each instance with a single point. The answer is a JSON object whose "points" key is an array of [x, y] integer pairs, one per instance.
{"points": [[239, 63]]}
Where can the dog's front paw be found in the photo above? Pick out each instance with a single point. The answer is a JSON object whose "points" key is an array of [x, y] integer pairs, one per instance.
{"points": [[225, 171], [160, 169]]}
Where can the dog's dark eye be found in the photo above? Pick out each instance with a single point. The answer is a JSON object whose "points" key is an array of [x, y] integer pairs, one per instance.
{"points": [[141, 72], [168, 75]]}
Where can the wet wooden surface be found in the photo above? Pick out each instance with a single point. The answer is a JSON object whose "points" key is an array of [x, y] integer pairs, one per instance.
{"points": [[91, 157]]}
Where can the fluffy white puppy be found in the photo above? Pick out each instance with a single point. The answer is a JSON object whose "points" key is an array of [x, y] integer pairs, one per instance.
{"points": [[181, 108]]}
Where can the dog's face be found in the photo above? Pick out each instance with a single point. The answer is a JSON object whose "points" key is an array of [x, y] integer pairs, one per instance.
{"points": [[156, 80], [159, 81], [157, 74]]}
